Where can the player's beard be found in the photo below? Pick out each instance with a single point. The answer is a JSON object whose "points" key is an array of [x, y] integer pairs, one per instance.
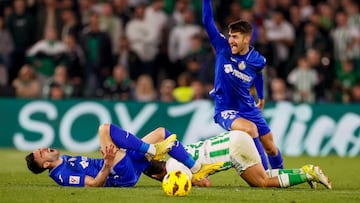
{"points": [[235, 49]]}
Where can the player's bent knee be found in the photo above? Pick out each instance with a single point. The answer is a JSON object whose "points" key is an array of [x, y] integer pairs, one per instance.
{"points": [[160, 130], [104, 129]]}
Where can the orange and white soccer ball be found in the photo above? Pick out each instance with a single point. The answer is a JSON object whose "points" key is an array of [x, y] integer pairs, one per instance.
{"points": [[176, 183]]}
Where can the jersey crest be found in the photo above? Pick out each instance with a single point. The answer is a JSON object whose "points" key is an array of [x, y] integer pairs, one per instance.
{"points": [[242, 65]]}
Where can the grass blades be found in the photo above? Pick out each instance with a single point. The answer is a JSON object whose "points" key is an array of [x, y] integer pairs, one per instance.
{"points": [[20, 185]]}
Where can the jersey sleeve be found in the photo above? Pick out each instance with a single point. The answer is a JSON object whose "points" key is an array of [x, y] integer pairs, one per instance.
{"points": [[77, 180], [259, 85], [259, 79], [216, 38]]}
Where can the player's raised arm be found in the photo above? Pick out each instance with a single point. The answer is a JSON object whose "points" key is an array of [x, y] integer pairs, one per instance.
{"points": [[208, 21]]}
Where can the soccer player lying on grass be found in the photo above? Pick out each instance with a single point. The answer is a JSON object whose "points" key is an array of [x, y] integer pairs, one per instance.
{"points": [[237, 150], [125, 157]]}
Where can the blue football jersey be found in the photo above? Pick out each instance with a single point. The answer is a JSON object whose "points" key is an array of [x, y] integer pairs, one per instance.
{"points": [[234, 74], [73, 170]]}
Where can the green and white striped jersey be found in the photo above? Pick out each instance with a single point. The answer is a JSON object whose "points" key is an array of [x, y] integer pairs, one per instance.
{"points": [[212, 150]]}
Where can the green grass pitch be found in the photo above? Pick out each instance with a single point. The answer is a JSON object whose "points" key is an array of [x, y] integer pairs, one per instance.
{"points": [[17, 184]]}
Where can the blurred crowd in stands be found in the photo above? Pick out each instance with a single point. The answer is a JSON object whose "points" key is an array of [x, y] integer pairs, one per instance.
{"points": [[157, 50]]}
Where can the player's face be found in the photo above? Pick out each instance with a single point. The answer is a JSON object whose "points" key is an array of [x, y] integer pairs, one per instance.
{"points": [[238, 42], [45, 154]]}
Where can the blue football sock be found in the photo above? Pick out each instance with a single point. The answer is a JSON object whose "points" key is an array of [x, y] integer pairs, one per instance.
{"points": [[276, 162], [261, 151], [126, 140], [179, 153]]}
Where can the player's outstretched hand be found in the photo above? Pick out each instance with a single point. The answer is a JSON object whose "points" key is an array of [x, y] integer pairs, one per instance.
{"points": [[205, 182]]}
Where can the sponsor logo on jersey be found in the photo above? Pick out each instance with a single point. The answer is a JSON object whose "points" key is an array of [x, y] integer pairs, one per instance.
{"points": [[75, 180], [242, 76], [242, 65], [229, 69]]}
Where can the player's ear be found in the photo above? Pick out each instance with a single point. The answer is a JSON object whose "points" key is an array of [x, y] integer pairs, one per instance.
{"points": [[46, 164], [247, 38]]}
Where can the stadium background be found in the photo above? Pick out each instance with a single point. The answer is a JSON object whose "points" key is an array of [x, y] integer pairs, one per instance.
{"points": [[56, 90]]}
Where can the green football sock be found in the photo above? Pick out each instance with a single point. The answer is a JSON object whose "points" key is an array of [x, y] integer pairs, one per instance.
{"points": [[277, 172], [296, 179], [286, 180], [289, 171]]}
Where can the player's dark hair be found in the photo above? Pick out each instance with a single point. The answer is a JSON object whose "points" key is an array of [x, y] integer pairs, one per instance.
{"points": [[241, 26], [32, 165], [156, 170]]}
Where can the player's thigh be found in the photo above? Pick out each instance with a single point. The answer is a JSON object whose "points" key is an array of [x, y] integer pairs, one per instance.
{"points": [[246, 159], [104, 135], [243, 153], [259, 121], [106, 140], [244, 125], [155, 136]]}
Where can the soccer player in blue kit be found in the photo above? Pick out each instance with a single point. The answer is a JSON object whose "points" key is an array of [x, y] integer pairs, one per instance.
{"points": [[125, 158], [238, 66]]}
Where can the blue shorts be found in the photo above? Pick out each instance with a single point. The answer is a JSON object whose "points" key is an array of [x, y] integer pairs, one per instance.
{"points": [[226, 118], [127, 172]]}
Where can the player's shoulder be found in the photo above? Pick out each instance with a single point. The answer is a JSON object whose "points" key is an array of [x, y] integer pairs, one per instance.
{"points": [[253, 53], [220, 43], [256, 58]]}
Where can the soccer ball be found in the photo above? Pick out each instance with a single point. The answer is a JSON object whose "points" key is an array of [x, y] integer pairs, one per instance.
{"points": [[176, 183]]}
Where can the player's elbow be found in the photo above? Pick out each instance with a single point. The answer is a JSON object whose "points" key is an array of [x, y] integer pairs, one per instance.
{"points": [[89, 184], [92, 182]]}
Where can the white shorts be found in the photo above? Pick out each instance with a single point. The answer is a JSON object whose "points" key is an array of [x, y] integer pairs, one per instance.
{"points": [[243, 152], [235, 148]]}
